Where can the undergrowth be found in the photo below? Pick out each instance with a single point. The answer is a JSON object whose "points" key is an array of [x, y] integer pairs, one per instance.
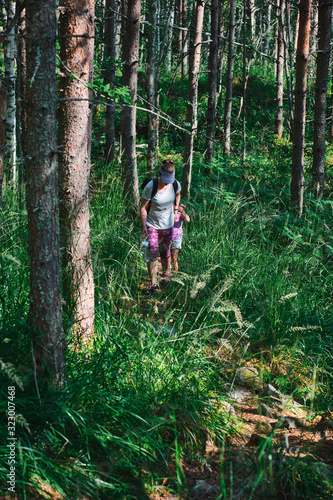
{"points": [[254, 286]]}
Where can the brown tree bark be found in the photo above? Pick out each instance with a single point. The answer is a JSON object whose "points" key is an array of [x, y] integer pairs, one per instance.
{"points": [[192, 107], [230, 76], [323, 58], [302, 55], [279, 71], [110, 71], [76, 53], [212, 80], [130, 59], [45, 311]]}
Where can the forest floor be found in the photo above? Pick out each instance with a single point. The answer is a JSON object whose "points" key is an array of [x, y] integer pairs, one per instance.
{"points": [[292, 430]]}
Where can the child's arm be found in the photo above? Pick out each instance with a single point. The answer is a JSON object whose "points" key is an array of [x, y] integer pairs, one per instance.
{"points": [[186, 217]]}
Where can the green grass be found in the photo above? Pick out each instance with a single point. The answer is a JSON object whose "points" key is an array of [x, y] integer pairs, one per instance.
{"points": [[151, 390]]}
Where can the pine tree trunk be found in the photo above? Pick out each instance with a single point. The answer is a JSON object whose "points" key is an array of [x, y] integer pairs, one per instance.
{"points": [[279, 72], [45, 311], [212, 80], [110, 71], [230, 76], [297, 176], [323, 58], [151, 86], [9, 61], [76, 53], [128, 124], [192, 107]]}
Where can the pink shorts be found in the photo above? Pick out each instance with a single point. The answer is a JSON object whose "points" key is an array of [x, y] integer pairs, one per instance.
{"points": [[159, 241]]}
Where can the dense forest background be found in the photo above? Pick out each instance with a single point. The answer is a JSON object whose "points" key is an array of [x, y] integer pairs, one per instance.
{"points": [[109, 393]]}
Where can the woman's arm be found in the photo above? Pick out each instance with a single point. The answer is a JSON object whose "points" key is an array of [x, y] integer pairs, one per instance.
{"points": [[177, 201], [143, 215], [186, 217]]}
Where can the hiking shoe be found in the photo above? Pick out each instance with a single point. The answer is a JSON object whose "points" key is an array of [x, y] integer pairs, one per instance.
{"points": [[166, 278], [152, 289]]}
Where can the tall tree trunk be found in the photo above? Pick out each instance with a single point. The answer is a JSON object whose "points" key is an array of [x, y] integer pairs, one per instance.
{"points": [[279, 72], [110, 71], [9, 60], [212, 80], [45, 311], [76, 52], [220, 64], [21, 111], [268, 33], [251, 20], [313, 44], [170, 37], [151, 86], [185, 59], [128, 123], [230, 76], [323, 58], [297, 175], [192, 107], [289, 64], [245, 79], [3, 108]]}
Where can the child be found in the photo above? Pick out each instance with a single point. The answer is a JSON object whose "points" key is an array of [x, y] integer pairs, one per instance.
{"points": [[177, 235]]}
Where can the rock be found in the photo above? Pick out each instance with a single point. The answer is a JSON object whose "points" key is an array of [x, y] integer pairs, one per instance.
{"points": [[271, 392], [265, 411], [325, 424], [290, 423], [255, 440], [228, 408], [247, 376], [202, 489], [239, 395], [263, 427]]}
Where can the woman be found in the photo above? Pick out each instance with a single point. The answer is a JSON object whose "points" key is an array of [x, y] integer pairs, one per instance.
{"points": [[157, 222]]}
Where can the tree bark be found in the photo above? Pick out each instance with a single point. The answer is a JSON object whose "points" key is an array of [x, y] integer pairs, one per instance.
{"points": [[323, 58], [212, 81], [192, 107], [3, 108], [45, 311], [9, 8], [128, 123], [268, 33], [185, 58], [279, 72], [110, 72], [151, 86], [302, 55], [76, 53], [230, 76]]}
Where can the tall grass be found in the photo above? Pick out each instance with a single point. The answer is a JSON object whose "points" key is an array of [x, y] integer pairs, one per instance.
{"points": [[254, 284]]}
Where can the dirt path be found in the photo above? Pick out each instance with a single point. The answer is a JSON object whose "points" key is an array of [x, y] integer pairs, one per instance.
{"points": [[290, 433]]}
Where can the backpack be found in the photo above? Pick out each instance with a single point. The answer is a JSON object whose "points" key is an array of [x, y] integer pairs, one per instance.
{"points": [[155, 187]]}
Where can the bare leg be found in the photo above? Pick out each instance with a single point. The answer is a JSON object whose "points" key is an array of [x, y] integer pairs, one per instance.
{"points": [[174, 259], [166, 264], [152, 271]]}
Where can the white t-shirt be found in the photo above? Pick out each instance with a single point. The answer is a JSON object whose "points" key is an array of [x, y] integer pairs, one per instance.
{"points": [[161, 206]]}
